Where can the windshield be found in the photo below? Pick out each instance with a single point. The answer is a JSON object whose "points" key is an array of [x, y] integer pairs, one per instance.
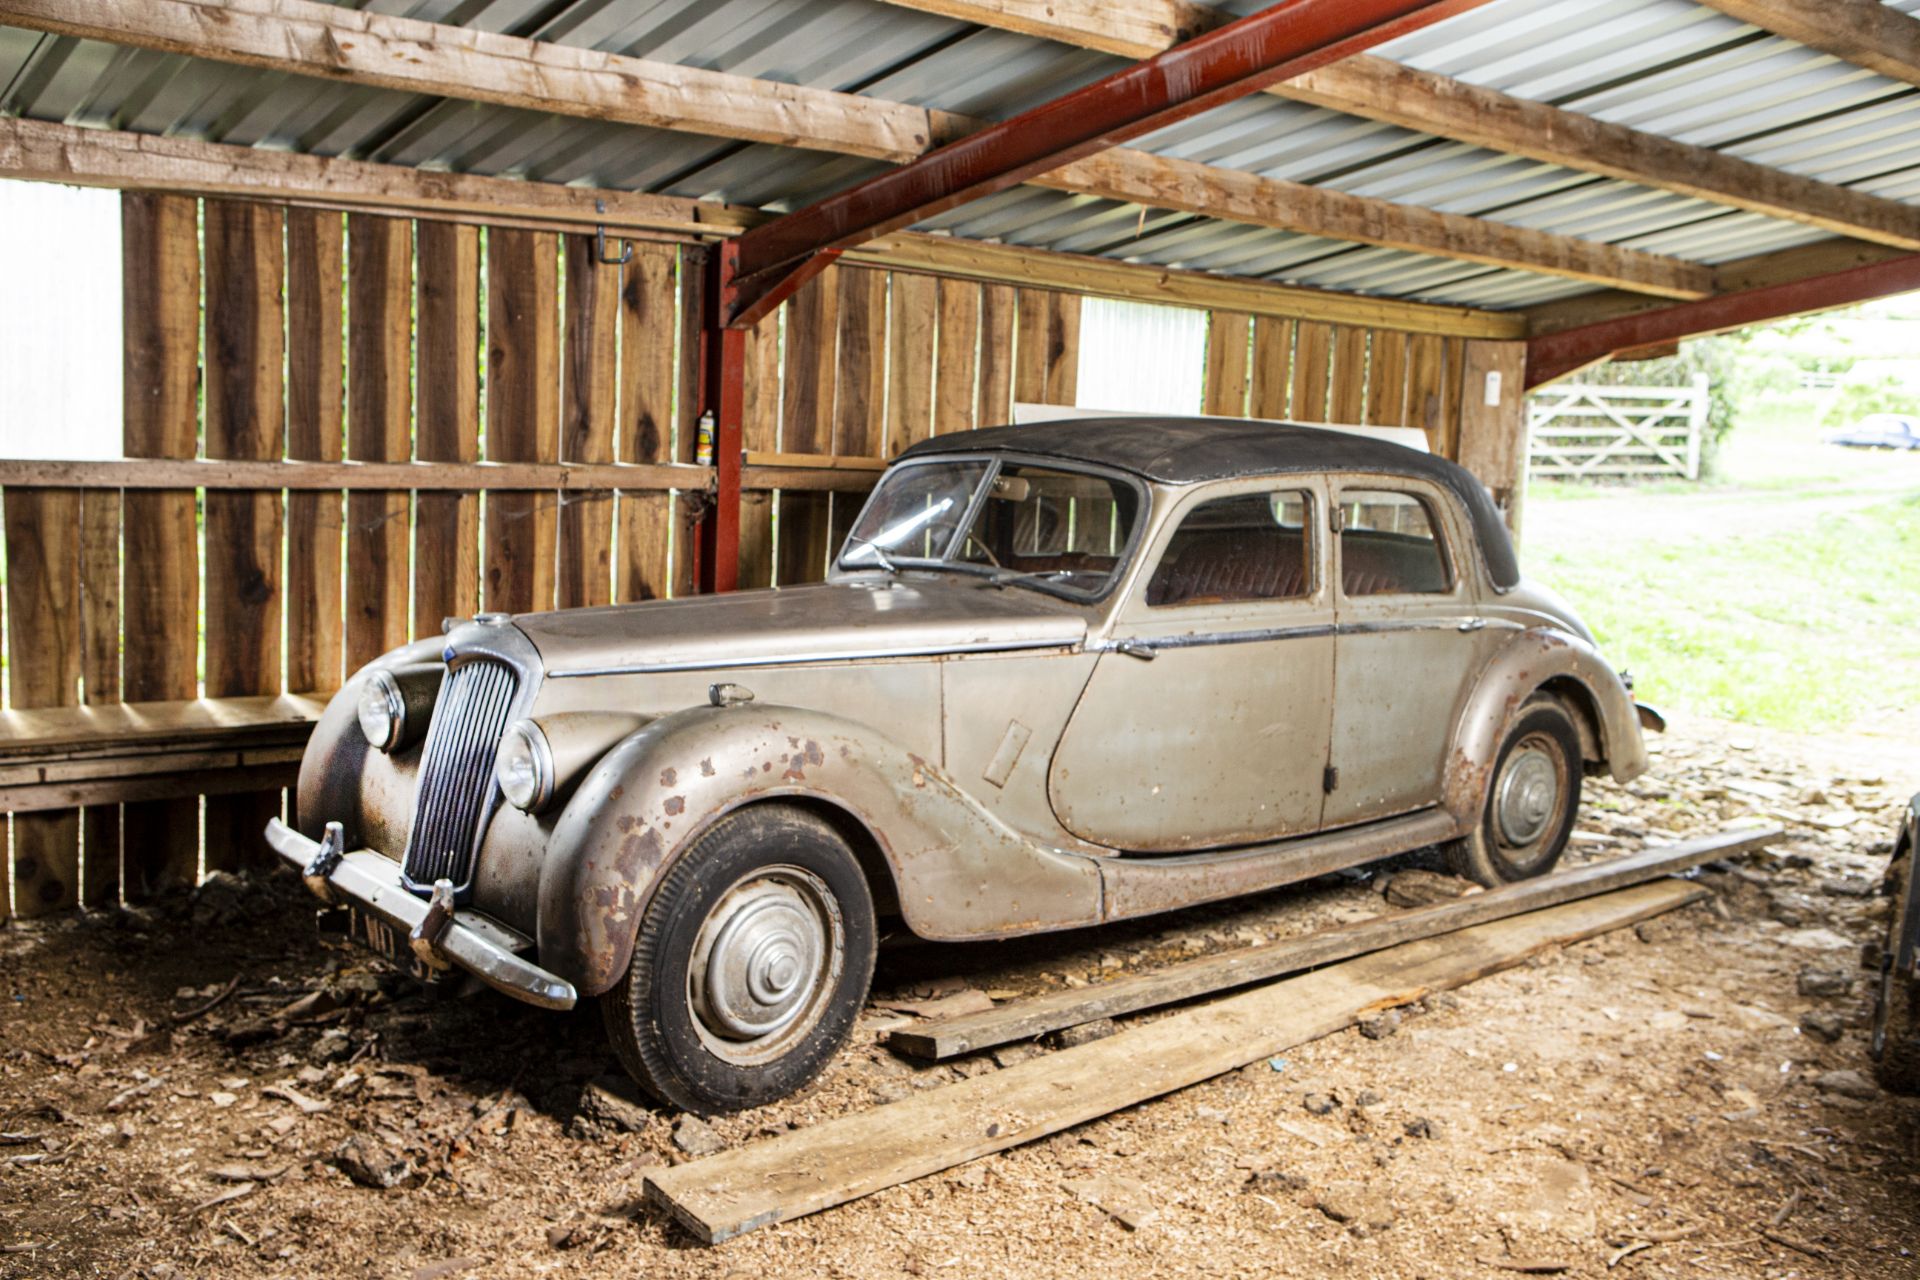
{"points": [[1012, 523]]}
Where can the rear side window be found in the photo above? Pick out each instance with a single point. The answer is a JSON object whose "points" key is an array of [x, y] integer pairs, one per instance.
{"points": [[1252, 546], [1390, 545]]}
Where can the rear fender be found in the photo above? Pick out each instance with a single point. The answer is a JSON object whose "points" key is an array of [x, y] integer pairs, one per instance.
{"points": [[957, 871], [1529, 660]]}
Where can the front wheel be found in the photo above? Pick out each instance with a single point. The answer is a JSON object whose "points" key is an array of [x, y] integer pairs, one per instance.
{"points": [[1533, 795], [1896, 1012], [752, 961]]}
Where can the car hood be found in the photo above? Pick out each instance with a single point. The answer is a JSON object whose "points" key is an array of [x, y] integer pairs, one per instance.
{"points": [[818, 622]]}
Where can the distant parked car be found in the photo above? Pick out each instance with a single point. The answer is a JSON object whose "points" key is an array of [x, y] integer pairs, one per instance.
{"points": [[1879, 431]]}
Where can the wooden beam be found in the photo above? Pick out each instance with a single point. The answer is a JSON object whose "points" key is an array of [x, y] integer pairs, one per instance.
{"points": [[1866, 33], [399, 53], [1375, 88], [1556, 355], [1161, 182], [1823, 257], [1035, 1015], [823, 1165], [1105, 277], [190, 473]]}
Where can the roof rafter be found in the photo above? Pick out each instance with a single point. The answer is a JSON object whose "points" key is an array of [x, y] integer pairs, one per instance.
{"points": [[366, 48], [1866, 33], [1378, 89]]}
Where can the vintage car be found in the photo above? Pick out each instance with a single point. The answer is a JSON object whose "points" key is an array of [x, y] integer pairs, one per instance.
{"points": [[1060, 674]]}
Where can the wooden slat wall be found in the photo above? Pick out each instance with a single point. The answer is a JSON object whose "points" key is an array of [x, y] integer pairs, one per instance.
{"points": [[446, 526], [523, 413], [43, 670], [316, 391], [379, 342], [100, 676], [587, 418], [645, 430]]}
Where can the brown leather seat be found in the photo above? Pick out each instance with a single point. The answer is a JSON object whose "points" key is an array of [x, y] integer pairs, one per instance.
{"points": [[1231, 564]]}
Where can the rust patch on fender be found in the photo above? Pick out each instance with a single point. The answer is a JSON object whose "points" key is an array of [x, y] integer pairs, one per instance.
{"points": [[706, 767], [668, 777], [675, 805]]}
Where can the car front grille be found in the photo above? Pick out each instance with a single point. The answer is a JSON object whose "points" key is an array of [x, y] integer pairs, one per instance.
{"points": [[456, 771]]}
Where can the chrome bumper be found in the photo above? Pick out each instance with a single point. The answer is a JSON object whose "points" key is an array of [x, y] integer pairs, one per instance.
{"points": [[439, 935]]}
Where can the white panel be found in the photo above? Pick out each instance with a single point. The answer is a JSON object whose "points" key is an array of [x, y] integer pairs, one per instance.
{"points": [[1139, 358]]}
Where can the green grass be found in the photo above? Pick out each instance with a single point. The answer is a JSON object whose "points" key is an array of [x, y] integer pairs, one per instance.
{"points": [[1810, 629]]}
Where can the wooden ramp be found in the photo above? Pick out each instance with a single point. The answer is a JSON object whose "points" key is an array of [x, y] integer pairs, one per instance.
{"points": [[1036, 1015], [829, 1164]]}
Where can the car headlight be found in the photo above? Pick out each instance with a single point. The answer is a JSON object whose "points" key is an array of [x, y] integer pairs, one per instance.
{"points": [[524, 767], [383, 711]]}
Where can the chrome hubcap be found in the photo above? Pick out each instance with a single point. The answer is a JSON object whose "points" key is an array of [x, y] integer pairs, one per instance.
{"points": [[1528, 796], [766, 957]]}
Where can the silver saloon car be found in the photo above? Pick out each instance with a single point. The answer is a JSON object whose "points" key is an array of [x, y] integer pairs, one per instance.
{"points": [[1059, 675]]}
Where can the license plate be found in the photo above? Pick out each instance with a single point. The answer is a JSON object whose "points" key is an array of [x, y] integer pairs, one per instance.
{"points": [[382, 938]]}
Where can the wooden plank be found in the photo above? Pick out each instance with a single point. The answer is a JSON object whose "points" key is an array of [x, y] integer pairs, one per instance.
{"points": [[1047, 347], [1270, 379], [1451, 387], [756, 540], [958, 341], [587, 420], [1032, 1016], [1493, 422], [1312, 355], [1387, 379], [807, 407], [760, 413], [523, 413], [43, 669], [822, 1165], [692, 268], [160, 325], [379, 366], [100, 679], [1225, 392], [446, 524], [805, 532], [997, 306], [245, 408], [860, 388], [316, 387], [648, 370], [910, 354], [437, 477], [123, 727], [1426, 388], [30, 804], [1346, 402]]}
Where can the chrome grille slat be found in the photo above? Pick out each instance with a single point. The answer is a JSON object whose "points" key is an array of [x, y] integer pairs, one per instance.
{"points": [[456, 771]]}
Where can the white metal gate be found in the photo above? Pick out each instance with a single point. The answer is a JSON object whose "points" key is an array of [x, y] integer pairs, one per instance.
{"points": [[1579, 432]]}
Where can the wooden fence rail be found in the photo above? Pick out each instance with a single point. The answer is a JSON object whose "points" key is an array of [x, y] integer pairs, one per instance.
{"points": [[1581, 432], [339, 429]]}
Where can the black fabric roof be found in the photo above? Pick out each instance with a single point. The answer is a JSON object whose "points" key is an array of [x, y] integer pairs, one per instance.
{"points": [[1187, 450]]}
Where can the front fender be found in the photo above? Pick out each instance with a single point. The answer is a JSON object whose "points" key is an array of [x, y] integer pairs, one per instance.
{"points": [[958, 872], [1533, 658]]}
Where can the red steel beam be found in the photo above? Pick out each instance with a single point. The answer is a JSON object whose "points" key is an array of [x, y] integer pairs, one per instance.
{"points": [[1246, 56], [1555, 355]]}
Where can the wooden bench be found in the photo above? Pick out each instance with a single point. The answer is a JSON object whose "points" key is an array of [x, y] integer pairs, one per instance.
{"points": [[63, 757]]}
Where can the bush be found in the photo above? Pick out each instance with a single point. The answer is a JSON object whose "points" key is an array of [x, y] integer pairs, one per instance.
{"points": [[1856, 398]]}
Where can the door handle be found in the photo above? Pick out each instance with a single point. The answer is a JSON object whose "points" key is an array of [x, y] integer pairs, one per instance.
{"points": [[1136, 649], [1473, 624]]}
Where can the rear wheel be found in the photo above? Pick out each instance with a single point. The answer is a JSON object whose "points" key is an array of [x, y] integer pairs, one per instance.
{"points": [[1533, 795], [752, 961]]}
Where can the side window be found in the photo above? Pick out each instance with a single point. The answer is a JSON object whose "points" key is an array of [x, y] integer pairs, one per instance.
{"points": [[1252, 546], [1389, 545]]}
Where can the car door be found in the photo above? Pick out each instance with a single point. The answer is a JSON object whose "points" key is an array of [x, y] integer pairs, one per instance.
{"points": [[1408, 643], [1205, 724]]}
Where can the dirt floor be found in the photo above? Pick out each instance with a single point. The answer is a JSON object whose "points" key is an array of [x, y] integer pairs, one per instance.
{"points": [[1666, 1101]]}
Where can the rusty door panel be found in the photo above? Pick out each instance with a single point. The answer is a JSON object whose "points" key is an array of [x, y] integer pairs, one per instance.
{"points": [[1004, 712], [1221, 737]]}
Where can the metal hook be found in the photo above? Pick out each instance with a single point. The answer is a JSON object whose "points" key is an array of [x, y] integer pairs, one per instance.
{"points": [[600, 243]]}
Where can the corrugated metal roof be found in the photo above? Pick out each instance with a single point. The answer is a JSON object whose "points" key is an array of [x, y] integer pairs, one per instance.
{"points": [[1671, 67]]}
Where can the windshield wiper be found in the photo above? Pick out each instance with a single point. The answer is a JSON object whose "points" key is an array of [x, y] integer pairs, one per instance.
{"points": [[880, 555]]}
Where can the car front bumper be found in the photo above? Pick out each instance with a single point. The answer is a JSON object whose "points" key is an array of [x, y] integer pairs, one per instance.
{"points": [[440, 936]]}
